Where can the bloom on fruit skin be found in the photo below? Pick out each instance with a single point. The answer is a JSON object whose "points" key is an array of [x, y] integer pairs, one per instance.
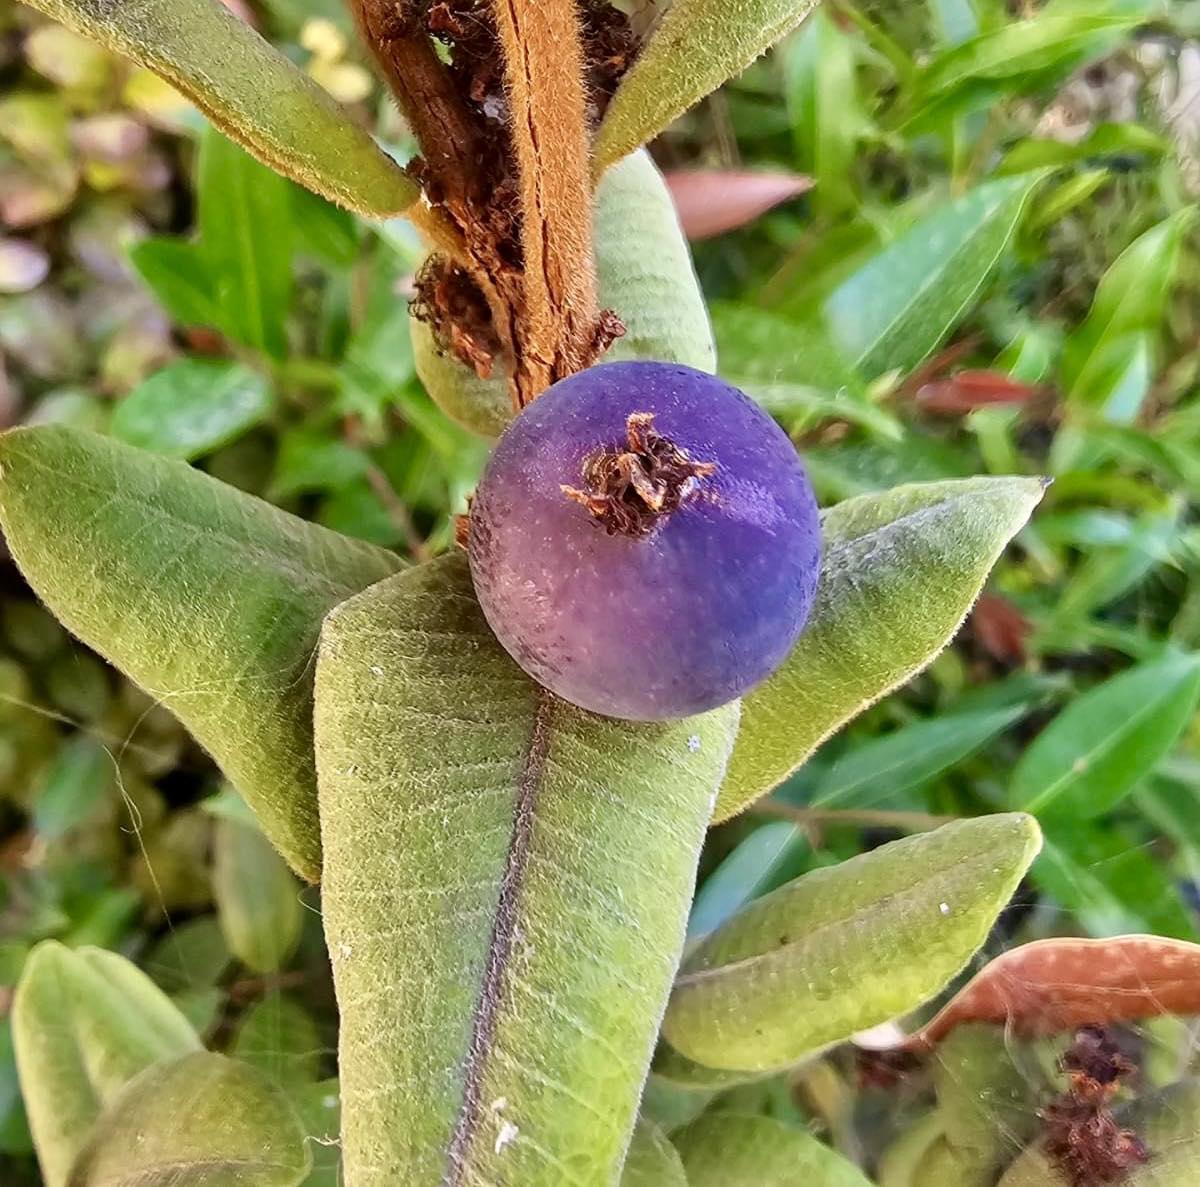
{"points": [[644, 541]]}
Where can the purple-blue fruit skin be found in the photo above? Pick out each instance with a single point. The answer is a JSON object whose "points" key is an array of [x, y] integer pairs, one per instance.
{"points": [[666, 625]]}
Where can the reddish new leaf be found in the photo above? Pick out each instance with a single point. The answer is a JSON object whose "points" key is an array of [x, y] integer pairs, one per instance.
{"points": [[1057, 985], [968, 390], [1000, 628], [713, 201]]}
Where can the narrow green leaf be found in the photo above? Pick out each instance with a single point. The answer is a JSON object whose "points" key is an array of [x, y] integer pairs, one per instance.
{"points": [[1047, 41], [192, 407], [252, 271], [203, 1120], [730, 1150], [208, 598], [846, 947], [752, 868], [505, 893], [78, 778], [84, 1023], [1098, 748], [251, 92], [1131, 298], [889, 765], [827, 118], [652, 1160], [645, 274], [900, 572], [899, 306], [258, 899], [1103, 140], [698, 45]]}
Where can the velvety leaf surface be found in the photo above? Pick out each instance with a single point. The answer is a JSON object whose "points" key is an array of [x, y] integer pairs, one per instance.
{"points": [[505, 895], [85, 1022], [645, 274], [846, 947], [203, 1120], [652, 1160], [698, 45], [730, 1150], [900, 571], [210, 599], [251, 92], [895, 310], [258, 899]]}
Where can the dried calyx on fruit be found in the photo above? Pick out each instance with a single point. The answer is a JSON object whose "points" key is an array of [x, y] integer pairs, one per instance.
{"points": [[645, 542]]}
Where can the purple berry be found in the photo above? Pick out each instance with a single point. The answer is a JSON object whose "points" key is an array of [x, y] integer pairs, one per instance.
{"points": [[645, 542]]}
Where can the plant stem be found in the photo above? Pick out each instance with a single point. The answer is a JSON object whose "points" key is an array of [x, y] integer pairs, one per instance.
{"points": [[558, 329], [910, 822]]}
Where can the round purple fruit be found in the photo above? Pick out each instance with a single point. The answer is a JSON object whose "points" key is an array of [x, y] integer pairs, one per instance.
{"points": [[645, 542]]}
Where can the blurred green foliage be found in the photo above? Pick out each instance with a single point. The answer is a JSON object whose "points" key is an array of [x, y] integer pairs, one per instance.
{"points": [[996, 271]]}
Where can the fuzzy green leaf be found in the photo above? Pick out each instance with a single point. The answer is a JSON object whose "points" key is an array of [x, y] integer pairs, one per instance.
{"points": [[898, 307], [652, 1160], [208, 598], [730, 1150], [505, 893], [645, 274], [258, 899], [85, 1022], [846, 947], [698, 45], [900, 572], [203, 1120], [251, 92]]}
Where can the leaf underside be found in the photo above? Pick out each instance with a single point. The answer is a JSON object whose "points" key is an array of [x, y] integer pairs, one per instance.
{"points": [[208, 598], [505, 894]]}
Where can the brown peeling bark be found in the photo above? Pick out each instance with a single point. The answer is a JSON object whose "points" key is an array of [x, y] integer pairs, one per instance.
{"points": [[559, 330]]}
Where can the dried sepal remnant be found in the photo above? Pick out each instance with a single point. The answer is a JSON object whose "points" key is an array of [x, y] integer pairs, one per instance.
{"points": [[450, 302], [629, 489], [504, 168], [1084, 1140]]}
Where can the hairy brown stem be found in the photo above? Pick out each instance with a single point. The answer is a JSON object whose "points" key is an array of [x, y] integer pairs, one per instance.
{"points": [[422, 86], [559, 329]]}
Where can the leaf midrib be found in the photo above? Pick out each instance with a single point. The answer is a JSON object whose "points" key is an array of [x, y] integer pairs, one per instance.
{"points": [[485, 1015]]}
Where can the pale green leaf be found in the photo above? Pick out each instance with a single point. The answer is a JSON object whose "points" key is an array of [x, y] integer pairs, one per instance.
{"points": [[698, 45], [505, 894], [179, 276], [208, 598], [258, 899], [846, 947], [1101, 746], [84, 1023], [203, 1120], [900, 571], [251, 92], [899, 306], [731, 1150], [192, 407], [279, 1037], [645, 274], [652, 1160]]}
